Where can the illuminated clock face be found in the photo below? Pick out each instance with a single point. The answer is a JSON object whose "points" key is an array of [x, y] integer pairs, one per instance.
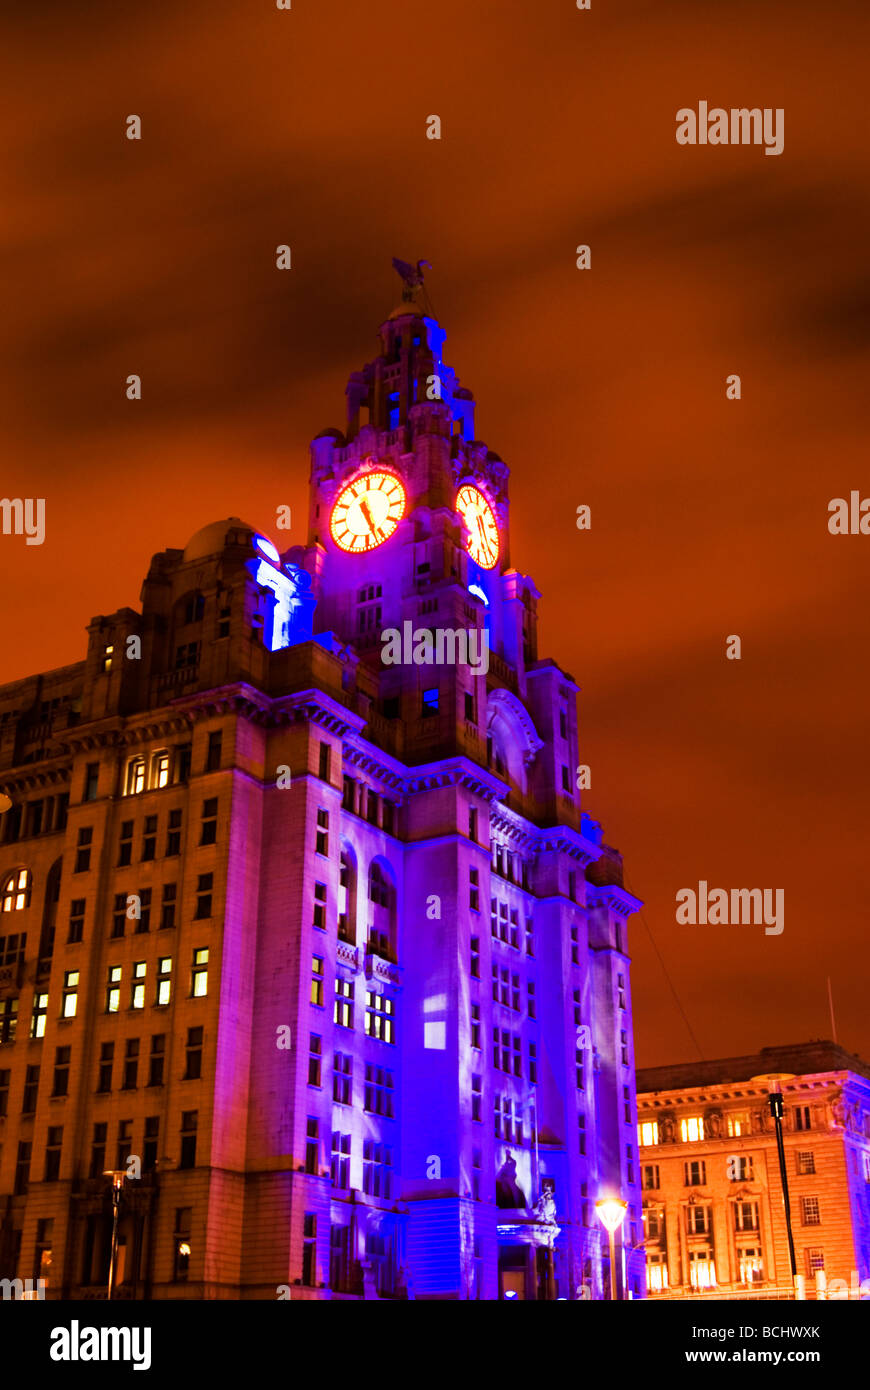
{"points": [[480, 525], [367, 512]]}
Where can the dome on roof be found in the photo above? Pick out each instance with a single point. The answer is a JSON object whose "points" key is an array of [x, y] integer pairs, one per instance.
{"points": [[405, 310], [211, 540]]}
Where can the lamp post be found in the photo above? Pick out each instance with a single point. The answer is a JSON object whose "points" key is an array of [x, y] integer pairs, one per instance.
{"points": [[119, 1177], [774, 1081], [611, 1212]]}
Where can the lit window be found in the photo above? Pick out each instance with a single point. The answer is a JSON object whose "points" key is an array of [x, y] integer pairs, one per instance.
{"points": [[648, 1133], [16, 891], [137, 992], [70, 993], [379, 1016], [164, 982], [322, 837], [160, 769], [738, 1123], [135, 776], [656, 1273], [316, 996], [692, 1129], [107, 657], [199, 974], [343, 1009], [37, 1021]]}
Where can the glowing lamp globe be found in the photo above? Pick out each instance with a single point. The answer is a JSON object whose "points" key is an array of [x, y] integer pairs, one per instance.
{"points": [[611, 1212]]}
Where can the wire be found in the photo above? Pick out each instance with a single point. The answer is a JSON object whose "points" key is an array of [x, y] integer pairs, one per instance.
{"points": [[671, 984]]}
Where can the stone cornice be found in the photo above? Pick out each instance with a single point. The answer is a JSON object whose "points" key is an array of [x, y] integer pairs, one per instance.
{"points": [[34, 776], [454, 772], [613, 897]]}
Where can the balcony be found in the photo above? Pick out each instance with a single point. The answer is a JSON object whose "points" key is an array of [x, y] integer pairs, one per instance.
{"points": [[347, 954]]}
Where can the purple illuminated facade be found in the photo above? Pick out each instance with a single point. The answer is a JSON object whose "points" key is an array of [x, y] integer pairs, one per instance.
{"points": [[413, 1065]]}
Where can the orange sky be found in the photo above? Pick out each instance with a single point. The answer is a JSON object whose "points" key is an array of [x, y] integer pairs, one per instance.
{"points": [[605, 387]]}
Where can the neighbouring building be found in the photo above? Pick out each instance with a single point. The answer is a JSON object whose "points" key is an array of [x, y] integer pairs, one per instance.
{"points": [[312, 932], [713, 1209]]}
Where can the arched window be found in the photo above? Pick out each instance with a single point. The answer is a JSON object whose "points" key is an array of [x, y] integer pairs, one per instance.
{"points": [[160, 768], [16, 891], [379, 888], [382, 912], [347, 896], [135, 780]]}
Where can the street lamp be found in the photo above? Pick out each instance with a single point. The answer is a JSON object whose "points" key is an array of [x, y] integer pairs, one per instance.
{"points": [[119, 1177], [773, 1081], [611, 1212]]}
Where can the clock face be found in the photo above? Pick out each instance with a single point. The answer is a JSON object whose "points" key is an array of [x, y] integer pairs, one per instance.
{"points": [[480, 524], [367, 512]]}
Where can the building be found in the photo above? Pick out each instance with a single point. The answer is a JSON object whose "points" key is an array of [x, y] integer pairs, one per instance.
{"points": [[714, 1218], [304, 922]]}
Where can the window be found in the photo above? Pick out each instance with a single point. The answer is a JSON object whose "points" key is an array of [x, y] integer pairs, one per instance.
{"points": [[469, 707], [167, 906], [620, 991], [745, 1216], [430, 702], [566, 779], [186, 655], [368, 617], [815, 1260], [31, 1087], [149, 838], [4, 1091], [160, 769], [379, 888], [342, 1013], [76, 921], [629, 1163], [339, 1167], [750, 1264], [173, 834], [321, 845], [70, 993], [342, 1078], [579, 1069], [213, 756], [157, 1059], [131, 1065], [135, 780], [581, 1132], [656, 1273], [320, 906], [164, 980], [530, 937], [189, 1120], [107, 657], [810, 1211], [104, 1074], [702, 1269], [22, 1169], [533, 1063], [16, 891], [312, 1145], [83, 850], [691, 1129], [472, 823], [738, 1123], [324, 755], [119, 914], [309, 1249], [8, 1020], [655, 1222], [377, 1166], [476, 1097], [695, 1173], [204, 887], [387, 817], [475, 1025], [649, 1176], [698, 1220], [474, 889], [149, 1148], [575, 946], [143, 921], [137, 985], [623, 1046], [199, 973], [378, 1093], [98, 1149], [475, 958], [739, 1168], [181, 1242], [183, 754], [193, 1055], [61, 1073], [317, 982], [38, 1016], [224, 622], [379, 1016], [530, 989], [92, 775], [208, 834], [648, 1133], [802, 1117], [806, 1162]]}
